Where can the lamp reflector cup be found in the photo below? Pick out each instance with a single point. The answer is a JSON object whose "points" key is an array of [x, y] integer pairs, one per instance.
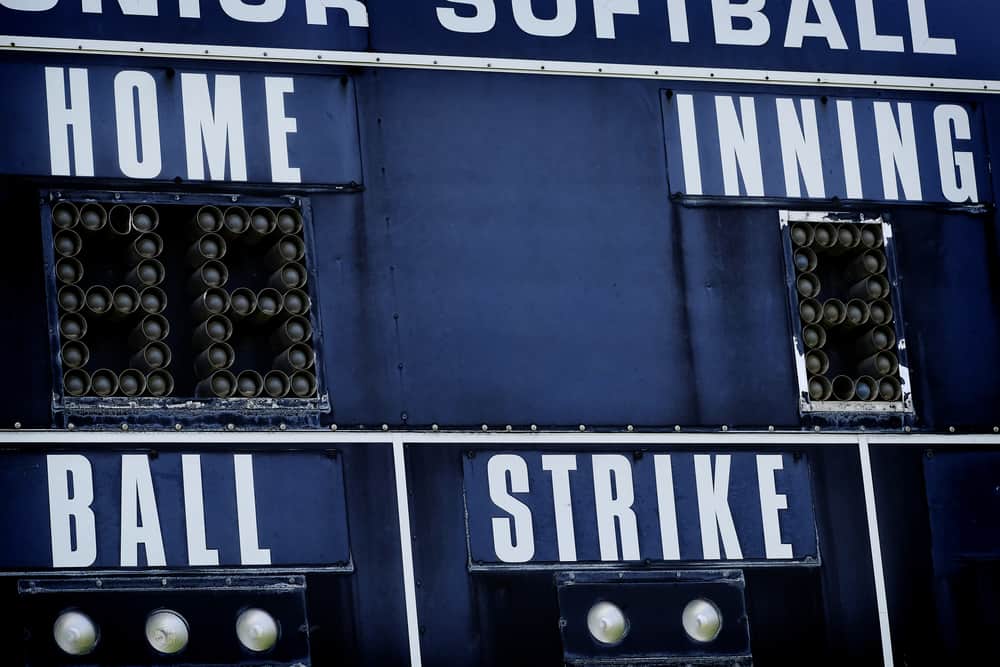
{"points": [[75, 633], [257, 630], [167, 631], [607, 623], [702, 620]]}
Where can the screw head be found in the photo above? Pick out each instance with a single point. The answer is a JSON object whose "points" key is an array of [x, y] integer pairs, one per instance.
{"points": [[907, 429], [333, 427], [725, 428], [534, 427], [124, 427], [230, 427], [630, 428], [385, 427], [485, 428], [282, 427], [70, 426], [434, 427], [582, 428], [178, 426], [817, 428], [677, 428], [770, 428], [508, 428], [17, 424], [951, 429]]}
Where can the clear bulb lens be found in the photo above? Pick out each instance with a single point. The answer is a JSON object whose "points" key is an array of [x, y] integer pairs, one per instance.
{"points": [[167, 631], [257, 630], [702, 620], [607, 623], [75, 633]]}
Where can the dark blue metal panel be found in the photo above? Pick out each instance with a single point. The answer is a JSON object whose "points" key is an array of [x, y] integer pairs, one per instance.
{"points": [[766, 130], [413, 27], [211, 25], [529, 249], [307, 486], [484, 493], [509, 617], [322, 142]]}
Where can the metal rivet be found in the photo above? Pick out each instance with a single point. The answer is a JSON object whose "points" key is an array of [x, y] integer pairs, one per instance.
{"points": [[434, 427], [861, 428], [677, 428], [907, 429], [534, 427], [17, 424], [630, 428], [770, 428], [333, 427], [282, 427], [817, 428], [508, 428], [725, 428], [484, 428], [230, 427], [178, 426], [71, 426], [951, 429], [124, 427], [582, 427], [385, 427]]}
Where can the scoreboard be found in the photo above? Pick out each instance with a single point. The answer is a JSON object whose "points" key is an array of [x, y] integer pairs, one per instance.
{"points": [[482, 332]]}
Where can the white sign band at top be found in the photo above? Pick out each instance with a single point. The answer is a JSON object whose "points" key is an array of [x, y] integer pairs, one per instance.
{"points": [[485, 64]]}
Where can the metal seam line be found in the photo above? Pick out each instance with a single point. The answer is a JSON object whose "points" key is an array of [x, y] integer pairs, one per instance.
{"points": [[406, 547], [485, 64], [876, 549]]}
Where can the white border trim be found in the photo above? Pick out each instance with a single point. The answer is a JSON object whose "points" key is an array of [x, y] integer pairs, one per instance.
{"points": [[406, 547], [876, 551], [479, 64]]}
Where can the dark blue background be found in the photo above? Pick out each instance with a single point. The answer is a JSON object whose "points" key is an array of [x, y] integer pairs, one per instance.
{"points": [[827, 119], [301, 510], [324, 146], [798, 527], [214, 26], [412, 27]]}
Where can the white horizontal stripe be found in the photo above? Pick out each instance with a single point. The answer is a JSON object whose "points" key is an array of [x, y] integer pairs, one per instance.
{"points": [[224, 440], [462, 63]]}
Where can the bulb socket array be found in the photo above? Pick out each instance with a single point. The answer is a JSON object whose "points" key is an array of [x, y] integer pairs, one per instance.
{"points": [[847, 325], [235, 301], [131, 309], [273, 309]]}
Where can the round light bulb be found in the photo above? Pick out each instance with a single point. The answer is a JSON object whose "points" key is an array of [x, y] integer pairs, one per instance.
{"points": [[257, 630], [167, 631], [702, 620], [607, 623], [75, 633]]}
